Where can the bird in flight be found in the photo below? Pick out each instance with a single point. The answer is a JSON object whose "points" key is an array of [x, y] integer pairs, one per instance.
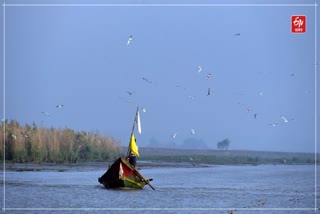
{"points": [[129, 40], [130, 93], [209, 76], [59, 106], [273, 124], [199, 69], [237, 34], [45, 113], [144, 109], [208, 92], [145, 79], [284, 119], [174, 135], [249, 109], [192, 131]]}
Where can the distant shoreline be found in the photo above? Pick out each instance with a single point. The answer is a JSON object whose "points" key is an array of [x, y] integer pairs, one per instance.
{"points": [[103, 166], [226, 157], [180, 158]]}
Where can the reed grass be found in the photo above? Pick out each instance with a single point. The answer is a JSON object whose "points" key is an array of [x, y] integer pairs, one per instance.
{"points": [[29, 143]]}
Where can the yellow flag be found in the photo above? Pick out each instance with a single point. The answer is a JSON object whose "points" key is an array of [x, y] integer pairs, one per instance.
{"points": [[133, 145]]}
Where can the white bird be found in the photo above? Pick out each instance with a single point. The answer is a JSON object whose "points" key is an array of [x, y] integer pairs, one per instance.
{"points": [[285, 119], [209, 76], [199, 69], [24, 135], [60, 106], [273, 124], [192, 131], [45, 113], [14, 136], [129, 40], [144, 109], [174, 135]]}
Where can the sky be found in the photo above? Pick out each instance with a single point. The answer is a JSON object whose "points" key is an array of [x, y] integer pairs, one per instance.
{"points": [[78, 56]]}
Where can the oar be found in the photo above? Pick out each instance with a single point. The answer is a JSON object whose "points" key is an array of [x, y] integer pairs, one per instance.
{"points": [[145, 180]]}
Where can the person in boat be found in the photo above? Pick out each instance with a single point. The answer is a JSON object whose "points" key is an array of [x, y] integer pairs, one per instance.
{"points": [[133, 159]]}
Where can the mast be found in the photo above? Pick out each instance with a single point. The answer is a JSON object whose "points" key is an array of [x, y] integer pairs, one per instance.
{"points": [[134, 123]]}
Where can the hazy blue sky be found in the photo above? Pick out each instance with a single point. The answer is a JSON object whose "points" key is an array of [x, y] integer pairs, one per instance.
{"points": [[79, 57]]}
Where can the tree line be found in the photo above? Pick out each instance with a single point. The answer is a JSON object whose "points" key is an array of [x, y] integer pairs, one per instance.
{"points": [[29, 143]]}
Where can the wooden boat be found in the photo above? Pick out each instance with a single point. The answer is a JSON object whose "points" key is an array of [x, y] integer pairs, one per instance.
{"points": [[123, 173]]}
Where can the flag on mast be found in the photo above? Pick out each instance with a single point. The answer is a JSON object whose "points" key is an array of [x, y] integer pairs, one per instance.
{"points": [[138, 122], [133, 145]]}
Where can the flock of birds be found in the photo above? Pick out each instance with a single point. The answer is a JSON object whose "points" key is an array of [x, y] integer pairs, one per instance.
{"points": [[45, 114], [208, 93], [199, 70], [255, 115], [130, 93]]}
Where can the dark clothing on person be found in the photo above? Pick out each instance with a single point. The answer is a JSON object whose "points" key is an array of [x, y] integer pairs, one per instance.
{"points": [[133, 160]]}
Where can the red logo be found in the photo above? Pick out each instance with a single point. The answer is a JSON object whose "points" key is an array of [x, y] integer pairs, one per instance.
{"points": [[298, 24]]}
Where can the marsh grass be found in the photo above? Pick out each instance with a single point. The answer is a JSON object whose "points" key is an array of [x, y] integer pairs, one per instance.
{"points": [[47, 145]]}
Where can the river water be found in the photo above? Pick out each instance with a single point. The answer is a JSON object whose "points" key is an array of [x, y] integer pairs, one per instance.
{"points": [[184, 189]]}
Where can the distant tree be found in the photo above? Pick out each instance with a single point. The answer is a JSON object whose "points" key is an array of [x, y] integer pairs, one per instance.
{"points": [[223, 145]]}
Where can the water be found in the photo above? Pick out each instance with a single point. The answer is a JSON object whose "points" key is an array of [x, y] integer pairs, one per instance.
{"points": [[211, 189]]}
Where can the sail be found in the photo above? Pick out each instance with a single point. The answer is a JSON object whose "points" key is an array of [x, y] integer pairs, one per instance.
{"points": [[138, 122], [133, 145]]}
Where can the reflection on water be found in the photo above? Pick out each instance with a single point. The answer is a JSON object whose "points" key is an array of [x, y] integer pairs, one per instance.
{"points": [[218, 189]]}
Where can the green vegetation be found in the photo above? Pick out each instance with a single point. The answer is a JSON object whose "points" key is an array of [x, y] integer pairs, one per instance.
{"points": [[226, 160], [30, 144], [46, 145], [225, 157]]}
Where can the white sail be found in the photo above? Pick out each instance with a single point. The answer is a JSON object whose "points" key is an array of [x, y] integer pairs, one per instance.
{"points": [[138, 122]]}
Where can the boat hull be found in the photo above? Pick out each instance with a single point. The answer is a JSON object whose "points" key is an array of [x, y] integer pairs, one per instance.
{"points": [[121, 174]]}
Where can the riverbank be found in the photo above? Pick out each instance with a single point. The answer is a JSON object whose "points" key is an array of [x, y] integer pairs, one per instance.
{"points": [[186, 160], [180, 158], [89, 166], [226, 157]]}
